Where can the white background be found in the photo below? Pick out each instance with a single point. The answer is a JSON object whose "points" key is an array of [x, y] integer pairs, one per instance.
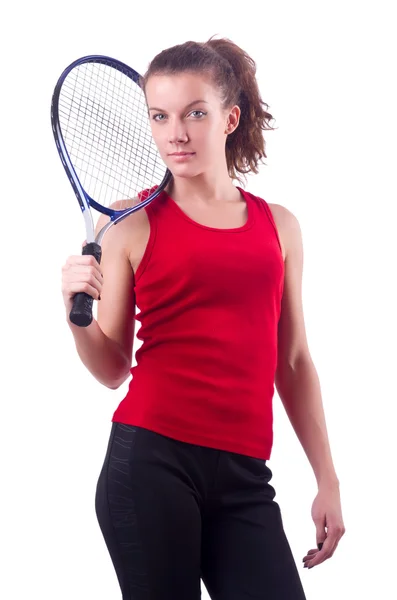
{"points": [[327, 71]]}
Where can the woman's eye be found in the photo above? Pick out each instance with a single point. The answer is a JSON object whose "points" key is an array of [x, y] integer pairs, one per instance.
{"points": [[197, 113]]}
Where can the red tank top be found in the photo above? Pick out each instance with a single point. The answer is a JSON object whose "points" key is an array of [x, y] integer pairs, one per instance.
{"points": [[209, 302]]}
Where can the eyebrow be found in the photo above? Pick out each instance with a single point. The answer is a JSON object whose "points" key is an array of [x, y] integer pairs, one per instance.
{"points": [[188, 106]]}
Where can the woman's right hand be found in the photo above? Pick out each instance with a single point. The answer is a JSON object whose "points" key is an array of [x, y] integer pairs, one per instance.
{"points": [[81, 274]]}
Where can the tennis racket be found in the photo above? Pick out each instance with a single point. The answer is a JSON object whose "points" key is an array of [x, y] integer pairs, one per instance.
{"points": [[102, 132]]}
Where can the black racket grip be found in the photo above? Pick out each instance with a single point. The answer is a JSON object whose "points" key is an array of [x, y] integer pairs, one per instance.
{"points": [[81, 313]]}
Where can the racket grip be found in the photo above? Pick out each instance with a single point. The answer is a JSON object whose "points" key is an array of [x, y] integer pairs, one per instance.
{"points": [[81, 313]]}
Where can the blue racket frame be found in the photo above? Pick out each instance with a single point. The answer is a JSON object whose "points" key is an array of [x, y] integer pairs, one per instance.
{"points": [[84, 199]]}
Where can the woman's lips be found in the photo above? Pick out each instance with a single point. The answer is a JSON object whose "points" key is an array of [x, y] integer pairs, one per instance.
{"points": [[181, 156]]}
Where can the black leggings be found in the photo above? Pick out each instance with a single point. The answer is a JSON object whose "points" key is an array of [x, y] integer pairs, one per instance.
{"points": [[173, 513]]}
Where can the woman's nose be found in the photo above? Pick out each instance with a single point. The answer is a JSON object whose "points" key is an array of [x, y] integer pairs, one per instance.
{"points": [[178, 133]]}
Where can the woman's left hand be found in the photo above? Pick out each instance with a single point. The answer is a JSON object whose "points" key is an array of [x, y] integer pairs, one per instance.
{"points": [[327, 516]]}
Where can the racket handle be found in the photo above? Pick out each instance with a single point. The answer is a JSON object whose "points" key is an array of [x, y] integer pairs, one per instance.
{"points": [[81, 313]]}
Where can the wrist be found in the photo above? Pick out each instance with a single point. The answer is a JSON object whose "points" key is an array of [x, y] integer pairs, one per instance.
{"points": [[328, 481]]}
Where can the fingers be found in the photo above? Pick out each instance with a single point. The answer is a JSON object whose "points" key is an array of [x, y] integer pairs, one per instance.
{"points": [[81, 286], [85, 260], [315, 557], [82, 271], [81, 274], [320, 556], [310, 554]]}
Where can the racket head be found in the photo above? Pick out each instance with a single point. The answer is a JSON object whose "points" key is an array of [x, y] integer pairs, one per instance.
{"points": [[102, 133]]}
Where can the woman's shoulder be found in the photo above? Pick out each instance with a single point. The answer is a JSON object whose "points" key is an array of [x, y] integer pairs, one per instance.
{"points": [[130, 236], [282, 214], [287, 225], [284, 219]]}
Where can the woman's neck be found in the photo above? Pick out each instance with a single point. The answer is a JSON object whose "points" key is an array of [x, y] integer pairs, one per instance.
{"points": [[202, 189]]}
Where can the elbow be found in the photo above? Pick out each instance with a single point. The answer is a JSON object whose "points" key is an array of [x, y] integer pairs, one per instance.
{"points": [[115, 381], [292, 363], [120, 373], [114, 384], [289, 369], [111, 385]]}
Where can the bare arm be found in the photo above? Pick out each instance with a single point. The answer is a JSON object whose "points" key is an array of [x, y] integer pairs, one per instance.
{"points": [[105, 347], [296, 379], [298, 386]]}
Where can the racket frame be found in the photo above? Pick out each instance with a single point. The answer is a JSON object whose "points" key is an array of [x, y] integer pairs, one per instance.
{"points": [[84, 199]]}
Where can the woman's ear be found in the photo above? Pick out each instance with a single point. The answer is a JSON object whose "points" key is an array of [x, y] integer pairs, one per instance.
{"points": [[233, 119]]}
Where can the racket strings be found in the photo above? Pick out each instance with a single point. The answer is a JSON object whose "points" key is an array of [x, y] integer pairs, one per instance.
{"points": [[106, 130], [115, 142]]}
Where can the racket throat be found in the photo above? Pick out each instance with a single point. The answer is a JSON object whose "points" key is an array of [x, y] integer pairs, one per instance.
{"points": [[89, 226]]}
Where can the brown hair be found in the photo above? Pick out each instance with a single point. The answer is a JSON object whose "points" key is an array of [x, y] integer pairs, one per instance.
{"points": [[233, 72]]}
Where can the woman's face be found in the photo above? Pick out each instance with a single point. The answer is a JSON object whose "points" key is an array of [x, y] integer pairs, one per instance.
{"points": [[189, 125]]}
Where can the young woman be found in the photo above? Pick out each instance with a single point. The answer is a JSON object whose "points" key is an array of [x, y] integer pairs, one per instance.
{"points": [[184, 493]]}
